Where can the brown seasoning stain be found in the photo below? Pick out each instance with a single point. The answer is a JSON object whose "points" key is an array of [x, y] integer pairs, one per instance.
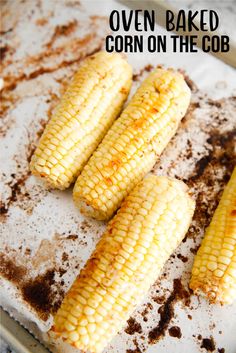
{"points": [[3, 52], [182, 258], [148, 307], [133, 327], [13, 81], [62, 30], [11, 271], [37, 292], [137, 76], [208, 344], [135, 350], [175, 331], [221, 350], [42, 292], [166, 311]]}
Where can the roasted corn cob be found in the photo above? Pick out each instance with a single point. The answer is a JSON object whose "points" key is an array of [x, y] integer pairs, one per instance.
{"points": [[214, 268], [131, 147], [88, 108], [150, 224]]}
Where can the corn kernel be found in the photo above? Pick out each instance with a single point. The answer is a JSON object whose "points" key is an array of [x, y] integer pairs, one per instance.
{"points": [[219, 244], [82, 118], [119, 157], [123, 274]]}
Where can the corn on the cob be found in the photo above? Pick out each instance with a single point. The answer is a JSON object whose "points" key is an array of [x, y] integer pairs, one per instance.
{"points": [[86, 111], [131, 147], [150, 224], [214, 268]]}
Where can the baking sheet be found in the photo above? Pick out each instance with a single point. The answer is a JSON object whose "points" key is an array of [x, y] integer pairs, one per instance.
{"points": [[45, 239], [20, 340]]}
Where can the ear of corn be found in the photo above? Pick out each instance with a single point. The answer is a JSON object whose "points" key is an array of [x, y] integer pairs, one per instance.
{"points": [[133, 144], [214, 268], [88, 108], [150, 224]]}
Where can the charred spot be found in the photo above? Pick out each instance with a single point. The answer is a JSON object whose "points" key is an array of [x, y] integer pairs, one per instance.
{"points": [[16, 191], [182, 258], [136, 349], [166, 310], [221, 350], [175, 331], [214, 103], [208, 344], [194, 250], [3, 52], [221, 139], [144, 313], [65, 256], [6, 31], [61, 271], [159, 299], [85, 225], [72, 237], [27, 251], [39, 294], [133, 327], [3, 208], [201, 166]]}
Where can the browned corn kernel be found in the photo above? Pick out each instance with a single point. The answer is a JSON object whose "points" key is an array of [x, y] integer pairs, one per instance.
{"points": [[150, 224], [132, 145]]}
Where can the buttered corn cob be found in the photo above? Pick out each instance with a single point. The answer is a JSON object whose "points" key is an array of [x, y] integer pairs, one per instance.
{"points": [[150, 224], [88, 108], [131, 147], [214, 268]]}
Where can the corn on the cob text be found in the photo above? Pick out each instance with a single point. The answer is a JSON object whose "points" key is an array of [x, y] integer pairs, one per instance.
{"points": [[88, 108], [150, 224]]}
